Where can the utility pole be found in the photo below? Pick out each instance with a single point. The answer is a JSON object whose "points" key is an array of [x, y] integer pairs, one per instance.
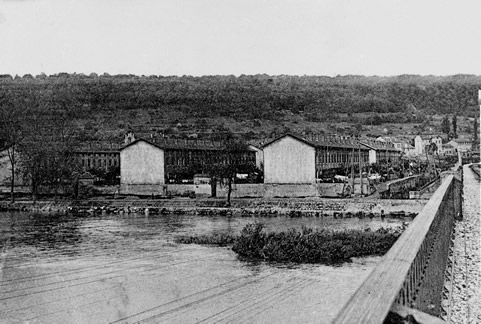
{"points": [[360, 166], [352, 167]]}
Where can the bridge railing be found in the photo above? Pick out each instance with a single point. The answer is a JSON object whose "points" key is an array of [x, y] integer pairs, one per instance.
{"points": [[411, 275], [400, 188]]}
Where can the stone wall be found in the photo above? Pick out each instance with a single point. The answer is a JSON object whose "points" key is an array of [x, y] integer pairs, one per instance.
{"points": [[332, 189], [143, 189], [280, 206], [181, 189], [247, 190], [334, 205], [270, 190]]}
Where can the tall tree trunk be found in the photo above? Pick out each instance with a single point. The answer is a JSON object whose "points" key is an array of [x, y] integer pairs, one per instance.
{"points": [[213, 187], [12, 185], [229, 190], [76, 185], [34, 190], [11, 157]]}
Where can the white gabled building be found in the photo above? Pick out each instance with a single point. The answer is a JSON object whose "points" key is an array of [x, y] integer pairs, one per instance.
{"points": [[142, 167], [421, 141], [461, 144], [289, 159]]}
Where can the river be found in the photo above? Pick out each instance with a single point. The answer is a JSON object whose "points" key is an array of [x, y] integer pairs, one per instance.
{"points": [[112, 268]]}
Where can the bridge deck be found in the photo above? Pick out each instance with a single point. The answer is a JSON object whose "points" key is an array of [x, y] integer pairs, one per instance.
{"points": [[463, 302]]}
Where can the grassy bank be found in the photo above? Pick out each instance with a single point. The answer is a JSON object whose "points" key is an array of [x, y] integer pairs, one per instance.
{"points": [[304, 246]]}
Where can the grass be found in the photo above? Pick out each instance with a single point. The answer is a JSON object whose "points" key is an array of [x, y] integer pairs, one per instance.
{"points": [[304, 246], [213, 239]]}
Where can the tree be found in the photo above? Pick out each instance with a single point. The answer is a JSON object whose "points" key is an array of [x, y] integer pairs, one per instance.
{"points": [[11, 134], [49, 140], [475, 145], [445, 127], [233, 160], [454, 122], [430, 149], [475, 129]]}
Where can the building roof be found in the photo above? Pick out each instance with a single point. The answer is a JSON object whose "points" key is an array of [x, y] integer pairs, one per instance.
{"points": [[182, 144], [428, 137], [379, 146], [462, 140], [103, 147], [321, 141], [299, 138]]}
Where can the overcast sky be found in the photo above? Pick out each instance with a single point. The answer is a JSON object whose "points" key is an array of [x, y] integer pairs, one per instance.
{"points": [[206, 37]]}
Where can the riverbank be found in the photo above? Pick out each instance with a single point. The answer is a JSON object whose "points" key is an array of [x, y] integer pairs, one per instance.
{"points": [[294, 207]]}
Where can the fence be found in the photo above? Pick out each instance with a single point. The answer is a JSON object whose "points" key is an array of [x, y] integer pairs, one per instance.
{"points": [[410, 277]]}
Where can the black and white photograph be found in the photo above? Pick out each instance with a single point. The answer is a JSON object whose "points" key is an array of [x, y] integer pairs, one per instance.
{"points": [[240, 161]]}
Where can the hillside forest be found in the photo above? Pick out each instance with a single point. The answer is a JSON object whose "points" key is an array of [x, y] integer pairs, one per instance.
{"points": [[104, 107]]}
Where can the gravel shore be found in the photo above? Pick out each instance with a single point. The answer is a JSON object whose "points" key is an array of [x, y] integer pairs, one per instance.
{"points": [[465, 302]]}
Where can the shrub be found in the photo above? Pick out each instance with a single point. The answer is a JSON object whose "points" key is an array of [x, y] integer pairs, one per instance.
{"points": [[304, 246], [214, 239]]}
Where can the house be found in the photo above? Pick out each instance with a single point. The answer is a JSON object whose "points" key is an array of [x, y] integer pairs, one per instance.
{"points": [[447, 149], [129, 138], [382, 151], [98, 155], [146, 166], [291, 159], [142, 168], [407, 149], [421, 141], [461, 144], [438, 141]]}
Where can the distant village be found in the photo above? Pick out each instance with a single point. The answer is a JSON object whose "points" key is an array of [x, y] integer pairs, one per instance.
{"points": [[289, 165]]}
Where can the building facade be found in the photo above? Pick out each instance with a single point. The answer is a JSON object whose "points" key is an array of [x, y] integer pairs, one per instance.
{"points": [[382, 152], [461, 144], [294, 159], [149, 165], [421, 141], [142, 166], [289, 159]]}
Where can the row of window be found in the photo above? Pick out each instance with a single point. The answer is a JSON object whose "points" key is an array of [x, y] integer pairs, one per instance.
{"points": [[340, 157], [98, 163], [182, 158]]}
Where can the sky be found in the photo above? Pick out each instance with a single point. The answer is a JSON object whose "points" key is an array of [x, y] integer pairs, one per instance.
{"points": [[212, 37]]}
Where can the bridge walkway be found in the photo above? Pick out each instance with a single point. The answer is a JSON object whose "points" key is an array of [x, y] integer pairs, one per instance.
{"points": [[463, 287]]}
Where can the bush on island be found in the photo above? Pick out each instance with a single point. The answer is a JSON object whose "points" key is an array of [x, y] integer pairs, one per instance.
{"points": [[305, 246]]}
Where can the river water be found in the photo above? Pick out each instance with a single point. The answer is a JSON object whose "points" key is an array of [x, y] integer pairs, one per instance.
{"points": [[112, 268]]}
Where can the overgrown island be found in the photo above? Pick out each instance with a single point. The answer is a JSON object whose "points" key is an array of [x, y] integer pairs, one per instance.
{"points": [[305, 246]]}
